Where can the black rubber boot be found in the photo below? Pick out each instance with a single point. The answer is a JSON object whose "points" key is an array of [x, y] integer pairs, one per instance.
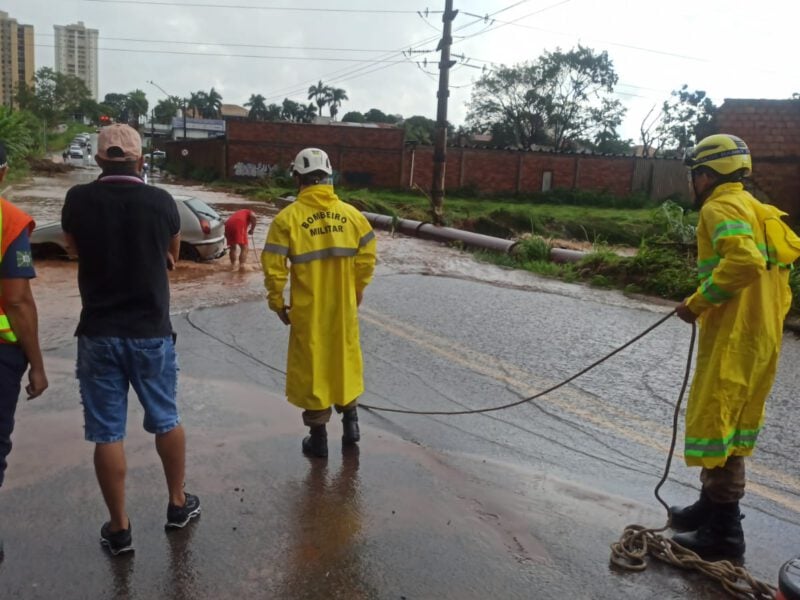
{"points": [[316, 444], [350, 431], [720, 537], [690, 518]]}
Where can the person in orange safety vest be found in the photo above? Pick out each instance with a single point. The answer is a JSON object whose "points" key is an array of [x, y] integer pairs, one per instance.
{"points": [[19, 336]]}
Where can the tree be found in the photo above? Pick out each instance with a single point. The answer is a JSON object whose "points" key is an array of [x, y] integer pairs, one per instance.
{"points": [[335, 98], [422, 130], [576, 95], [213, 105], [273, 112], [319, 93], [564, 98], [686, 118], [258, 109], [167, 109], [19, 131], [307, 113], [683, 119], [54, 96], [137, 105], [353, 117], [196, 103], [118, 106], [373, 115], [501, 105], [291, 110]]}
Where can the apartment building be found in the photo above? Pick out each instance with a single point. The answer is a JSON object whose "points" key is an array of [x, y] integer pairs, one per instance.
{"points": [[76, 53], [16, 57]]}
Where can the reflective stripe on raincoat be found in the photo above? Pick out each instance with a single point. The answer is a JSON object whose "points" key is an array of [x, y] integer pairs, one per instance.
{"points": [[742, 300], [331, 248]]}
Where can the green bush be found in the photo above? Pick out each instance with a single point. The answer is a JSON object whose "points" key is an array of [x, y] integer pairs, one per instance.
{"points": [[533, 248], [18, 131]]}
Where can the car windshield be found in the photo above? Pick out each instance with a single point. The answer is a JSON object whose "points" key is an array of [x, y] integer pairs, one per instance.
{"points": [[201, 208]]}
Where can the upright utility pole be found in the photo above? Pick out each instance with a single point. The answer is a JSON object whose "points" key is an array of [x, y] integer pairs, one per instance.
{"points": [[440, 139]]}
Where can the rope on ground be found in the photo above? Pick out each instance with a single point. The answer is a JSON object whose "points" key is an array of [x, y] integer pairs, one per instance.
{"points": [[637, 542], [630, 553]]}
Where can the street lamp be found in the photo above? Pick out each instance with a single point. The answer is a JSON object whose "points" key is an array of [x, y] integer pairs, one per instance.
{"points": [[183, 104]]}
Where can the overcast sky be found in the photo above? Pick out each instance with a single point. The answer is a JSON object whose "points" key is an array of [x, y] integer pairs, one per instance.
{"points": [[730, 48]]}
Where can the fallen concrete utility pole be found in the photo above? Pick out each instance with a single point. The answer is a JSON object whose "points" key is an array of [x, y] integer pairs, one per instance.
{"points": [[428, 231]]}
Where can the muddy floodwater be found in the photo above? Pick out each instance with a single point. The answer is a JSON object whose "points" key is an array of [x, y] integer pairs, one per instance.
{"points": [[207, 284]]}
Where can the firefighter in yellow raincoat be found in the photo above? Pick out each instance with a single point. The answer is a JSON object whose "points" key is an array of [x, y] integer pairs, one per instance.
{"points": [[744, 257], [327, 247]]}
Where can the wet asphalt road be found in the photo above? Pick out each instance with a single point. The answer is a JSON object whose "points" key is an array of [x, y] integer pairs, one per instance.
{"points": [[517, 504]]}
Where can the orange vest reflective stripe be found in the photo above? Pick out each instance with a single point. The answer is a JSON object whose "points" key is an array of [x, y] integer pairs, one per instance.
{"points": [[12, 222]]}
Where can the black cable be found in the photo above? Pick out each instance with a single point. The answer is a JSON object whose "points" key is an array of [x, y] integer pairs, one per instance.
{"points": [[530, 398], [675, 417]]}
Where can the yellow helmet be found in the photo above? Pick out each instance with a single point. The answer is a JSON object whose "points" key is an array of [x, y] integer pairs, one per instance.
{"points": [[723, 153]]}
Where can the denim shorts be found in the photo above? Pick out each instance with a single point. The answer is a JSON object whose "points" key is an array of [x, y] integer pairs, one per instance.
{"points": [[107, 366]]}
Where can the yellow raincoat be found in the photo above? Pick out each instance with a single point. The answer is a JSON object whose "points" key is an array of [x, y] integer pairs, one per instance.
{"points": [[331, 248], [744, 253]]}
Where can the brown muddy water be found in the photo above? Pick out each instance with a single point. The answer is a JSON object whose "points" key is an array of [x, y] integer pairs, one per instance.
{"points": [[202, 285]]}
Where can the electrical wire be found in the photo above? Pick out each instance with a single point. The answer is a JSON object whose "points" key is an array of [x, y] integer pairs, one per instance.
{"points": [[232, 44], [250, 7]]}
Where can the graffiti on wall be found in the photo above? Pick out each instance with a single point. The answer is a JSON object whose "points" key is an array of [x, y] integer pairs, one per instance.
{"points": [[260, 170]]}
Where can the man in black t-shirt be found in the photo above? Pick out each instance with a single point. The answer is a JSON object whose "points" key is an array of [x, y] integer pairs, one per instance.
{"points": [[126, 235]]}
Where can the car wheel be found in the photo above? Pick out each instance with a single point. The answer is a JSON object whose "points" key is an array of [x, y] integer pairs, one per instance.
{"points": [[188, 252]]}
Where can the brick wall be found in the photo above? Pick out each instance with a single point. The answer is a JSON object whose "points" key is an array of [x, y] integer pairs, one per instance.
{"points": [[378, 156], [200, 154], [771, 129], [361, 155], [511, 171]]}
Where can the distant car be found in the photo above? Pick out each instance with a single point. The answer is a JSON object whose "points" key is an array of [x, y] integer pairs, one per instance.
{"points": [[75, 151], [202, 233]]}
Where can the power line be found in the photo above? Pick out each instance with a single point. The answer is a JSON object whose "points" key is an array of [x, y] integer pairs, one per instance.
{"points": [[349, 74], [628, 46], [225, 55], [230, 44], [249, 7], [513, 22]]}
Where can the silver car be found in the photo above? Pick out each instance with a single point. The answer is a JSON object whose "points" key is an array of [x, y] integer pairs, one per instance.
{"points": [[202, 233]]}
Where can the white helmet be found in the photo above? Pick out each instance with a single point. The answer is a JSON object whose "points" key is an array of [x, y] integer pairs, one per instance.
{"points": [[310, 160]]}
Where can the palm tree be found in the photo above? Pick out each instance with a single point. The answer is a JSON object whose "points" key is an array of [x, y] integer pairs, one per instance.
{"points": [[335, 98], [197, 103], [273, 112], [319, 94], [213, 104], [290, 111], [258, 109], [307, 114]]}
